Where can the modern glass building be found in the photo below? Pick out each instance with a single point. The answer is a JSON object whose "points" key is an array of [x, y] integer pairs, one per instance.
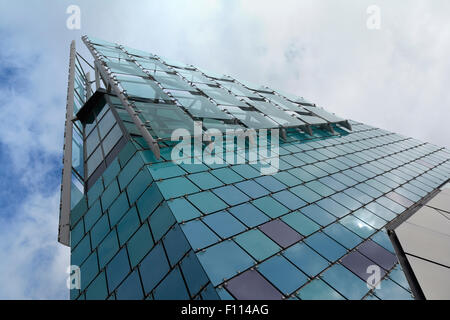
{"points": [[180, 183]]}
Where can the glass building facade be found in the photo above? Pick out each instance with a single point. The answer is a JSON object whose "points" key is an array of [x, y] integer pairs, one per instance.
{"points": [[141, 225]]}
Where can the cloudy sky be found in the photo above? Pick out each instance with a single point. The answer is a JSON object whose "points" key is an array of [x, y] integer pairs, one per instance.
{"points": [[394, 78]]}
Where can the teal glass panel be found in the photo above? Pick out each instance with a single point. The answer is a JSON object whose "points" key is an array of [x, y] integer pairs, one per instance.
{"points": [[246, 171], [306, 259], [231, 195], [109, 195], [153, 268], [270, 206], [97, 290], [224, 260], [318, 290], [172, 287], [287, 178], [198, 234], [106, 124], [118, 208], [130, 170], [249, 214], [301, 223], [99, 230], [205, 180], [383, 240], [289, 199], [183, 210], [94, 161], [117, 269], [148, 202], [270, 183], [108, 248], [111, 172], [128, 225], [76, 234], [306, 194], [160, 221], [137, 186], [175, 244], [320, 188], [165, 170], [193, 273], [88, 270], [283, 274], [227, 175], [207, 202], [176, 187], [92, 215], [257, 244], [224, 224], [131, 288]]}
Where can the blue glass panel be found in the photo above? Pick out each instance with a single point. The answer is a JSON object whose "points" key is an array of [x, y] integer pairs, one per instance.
{"points": [[118, 208], [249, 214], [224, 224], [224, 260], [88, 270], [389, 290], [176, 187], [306, 259], [333, 207], [97, 289], [139, 244], [270, 206], [193, 273], [205, 180], [288, 199], [326, 246], [128, 225], [318, 214], [306, 194], [172, 287], [283, 274], [153, 268], [175, 244], [131, 288], [252, 189], [345, 282], [270, 183], [198, 234], [342, 235], [149, 201], [231, 195], [207, 202], [99, 230], [160, 221], [117, 269], [108, 248], [301, 223], [258, 245]]}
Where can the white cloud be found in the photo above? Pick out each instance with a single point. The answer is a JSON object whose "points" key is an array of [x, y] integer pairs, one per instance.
{"points": [[395, 78]]}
